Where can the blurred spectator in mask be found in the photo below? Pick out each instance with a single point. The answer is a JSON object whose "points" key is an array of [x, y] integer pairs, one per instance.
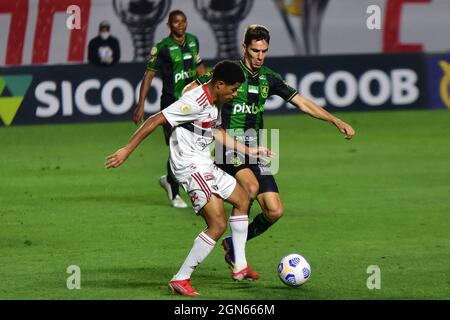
{"points": [[104, 49]]}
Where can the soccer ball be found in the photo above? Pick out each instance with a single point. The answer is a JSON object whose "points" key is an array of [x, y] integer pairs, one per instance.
{"points": [[294, 270]]}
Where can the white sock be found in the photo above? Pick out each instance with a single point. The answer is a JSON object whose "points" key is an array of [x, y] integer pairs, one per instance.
{"points": [[239, 230], [202, 247]]}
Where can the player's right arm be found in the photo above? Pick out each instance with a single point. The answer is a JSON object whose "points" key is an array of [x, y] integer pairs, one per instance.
{"points": [[120, 156], [138, 115], [153, 64]]}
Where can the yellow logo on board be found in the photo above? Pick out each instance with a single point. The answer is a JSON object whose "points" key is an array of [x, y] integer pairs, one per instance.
{"points": [[445, 82]]}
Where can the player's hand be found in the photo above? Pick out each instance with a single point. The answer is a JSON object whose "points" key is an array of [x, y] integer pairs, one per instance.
{"points": [[117, 158], [260, 152], [345, 129], [138, 115]]}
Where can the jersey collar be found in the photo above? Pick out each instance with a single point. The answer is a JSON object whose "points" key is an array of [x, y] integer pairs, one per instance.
{"points": [[207, 94], [176, 42], [243, 66]]}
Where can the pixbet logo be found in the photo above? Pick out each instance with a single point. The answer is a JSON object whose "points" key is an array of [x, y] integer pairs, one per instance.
{"points": [[184, 75], [245, 108]]}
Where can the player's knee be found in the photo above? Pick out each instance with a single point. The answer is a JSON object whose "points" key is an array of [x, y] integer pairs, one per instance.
{"points": [[275, 213], [252, 189]]}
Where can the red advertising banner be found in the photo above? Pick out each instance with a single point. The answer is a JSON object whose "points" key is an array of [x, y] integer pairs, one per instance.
{"points": [[42, 32]]}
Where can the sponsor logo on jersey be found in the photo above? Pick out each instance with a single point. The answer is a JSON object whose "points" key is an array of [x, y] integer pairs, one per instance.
{"points": [[194, 197], [208, 176], [191, 44], [253, 89], [185, 108], [262, 77], [245, 108], [236, 161], [201, 144], [264, 91], [184, 75], [173, 48], [187, 56]]}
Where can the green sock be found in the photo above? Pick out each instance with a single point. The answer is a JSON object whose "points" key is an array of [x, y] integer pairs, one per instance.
{"points": [[259, 225]]}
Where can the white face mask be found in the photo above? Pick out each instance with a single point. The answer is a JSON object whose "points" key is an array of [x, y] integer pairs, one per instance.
{"points": [[104, 35]]}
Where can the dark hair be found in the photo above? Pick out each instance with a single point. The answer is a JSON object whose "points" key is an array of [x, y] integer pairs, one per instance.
{"points": [[256, 32], [228, 72], [174, 13]]}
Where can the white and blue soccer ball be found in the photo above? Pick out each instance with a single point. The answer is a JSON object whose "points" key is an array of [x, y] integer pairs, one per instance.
{"points": [[294, 270]]}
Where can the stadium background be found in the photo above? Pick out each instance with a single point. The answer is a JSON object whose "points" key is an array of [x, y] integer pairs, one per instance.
{"points": [[59, 207]]}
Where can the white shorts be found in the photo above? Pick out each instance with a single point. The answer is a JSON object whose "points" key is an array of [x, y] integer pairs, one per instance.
{"points": [[204, 180]]}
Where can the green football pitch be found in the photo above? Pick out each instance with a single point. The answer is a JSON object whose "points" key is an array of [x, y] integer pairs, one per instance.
{"points": [[381, 199]]}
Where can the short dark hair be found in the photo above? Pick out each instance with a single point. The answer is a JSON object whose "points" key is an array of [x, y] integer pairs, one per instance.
{"points": [[228, 72], [256, 32], [174, 13]]}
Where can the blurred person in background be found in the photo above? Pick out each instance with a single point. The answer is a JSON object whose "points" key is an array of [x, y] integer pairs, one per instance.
{"points": [[104, 49]]}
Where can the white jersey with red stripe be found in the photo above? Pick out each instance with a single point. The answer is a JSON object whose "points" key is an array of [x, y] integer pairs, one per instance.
{"points": [[193, 118]]}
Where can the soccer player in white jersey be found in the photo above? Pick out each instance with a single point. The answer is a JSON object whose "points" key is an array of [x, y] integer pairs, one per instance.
{"points": [[193, 120]]}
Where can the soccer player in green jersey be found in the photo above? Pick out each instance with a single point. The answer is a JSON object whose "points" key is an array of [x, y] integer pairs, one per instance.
{"points": [[177, 59], [243, 118]]}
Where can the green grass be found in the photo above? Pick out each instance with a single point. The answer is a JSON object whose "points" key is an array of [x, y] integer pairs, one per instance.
{"points": [[381, 199]]}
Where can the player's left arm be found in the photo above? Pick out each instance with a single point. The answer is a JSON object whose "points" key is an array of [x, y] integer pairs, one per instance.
{"points": [[311, 108], [231, 143], [289, 94], [201, 69], [120, 156]]}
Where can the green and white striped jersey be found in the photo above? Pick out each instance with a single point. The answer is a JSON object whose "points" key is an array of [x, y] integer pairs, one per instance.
{"points": [[243, 116]]}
